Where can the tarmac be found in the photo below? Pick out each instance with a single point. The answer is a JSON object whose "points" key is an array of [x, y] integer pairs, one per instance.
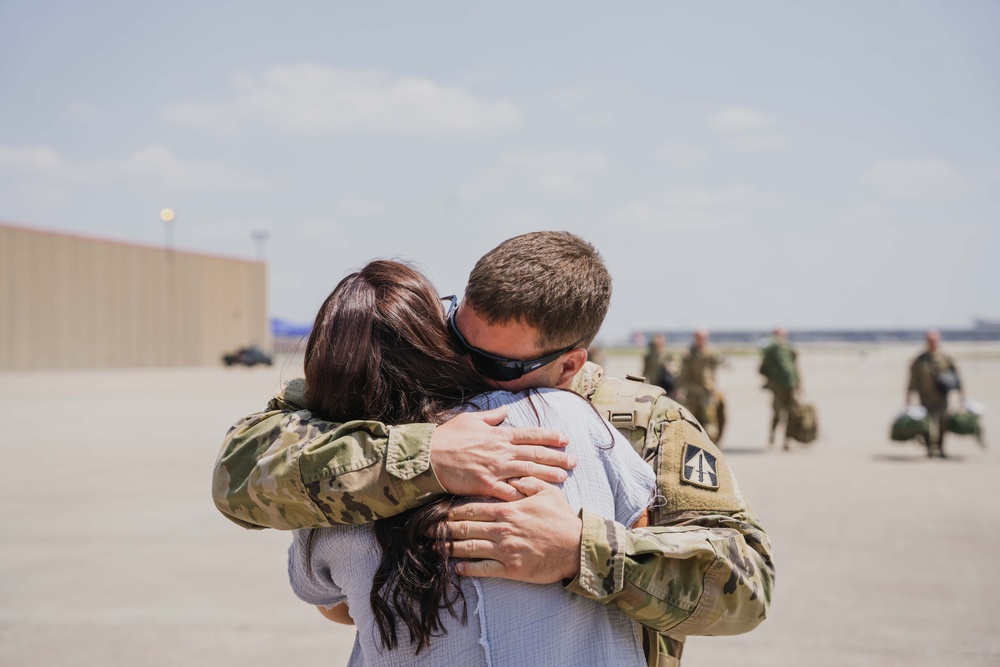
{"points": [[112, 553]]}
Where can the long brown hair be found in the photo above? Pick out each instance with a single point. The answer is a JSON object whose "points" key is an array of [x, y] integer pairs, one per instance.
{"points": [[380, 350]]}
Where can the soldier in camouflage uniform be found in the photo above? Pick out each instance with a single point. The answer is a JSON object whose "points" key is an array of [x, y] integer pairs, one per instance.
{"points": [[779, 366], [702, 567], [697, 390], [658, 364], [933, 375]]}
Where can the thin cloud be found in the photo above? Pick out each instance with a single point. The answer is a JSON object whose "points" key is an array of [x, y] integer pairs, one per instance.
{"points": [[684, 158], [560, 172], [229, 230], [712, 197], [31, 158], [571, 97], [571, 161], [539, 182], [740, 119], [310, 98], [85, 113], [360, 208], [595, 119], [159, 163], [702, 208], [657, 217], [920, 179], [154, 166], [473, 79], [755, 143]]}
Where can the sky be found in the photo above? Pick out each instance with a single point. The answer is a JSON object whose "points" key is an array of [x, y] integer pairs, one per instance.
{"points": [[833, 164]]}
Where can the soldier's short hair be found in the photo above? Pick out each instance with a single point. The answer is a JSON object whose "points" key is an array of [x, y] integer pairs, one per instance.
{"points": [[553, 281]]}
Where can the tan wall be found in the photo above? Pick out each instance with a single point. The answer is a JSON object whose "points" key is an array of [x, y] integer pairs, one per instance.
{"points": [[72, 302]]}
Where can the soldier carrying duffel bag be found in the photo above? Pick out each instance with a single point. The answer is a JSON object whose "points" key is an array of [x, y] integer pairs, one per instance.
{"points": [[933, 376], [779, 366], [966, 421], [802, 423], [911, 424]]}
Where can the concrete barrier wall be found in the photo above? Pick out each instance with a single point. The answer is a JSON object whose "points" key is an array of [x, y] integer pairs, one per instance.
{"points": [[74, 302]]}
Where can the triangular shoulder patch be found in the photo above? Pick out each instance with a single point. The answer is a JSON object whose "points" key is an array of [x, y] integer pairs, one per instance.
{"points": [[699, 468]]}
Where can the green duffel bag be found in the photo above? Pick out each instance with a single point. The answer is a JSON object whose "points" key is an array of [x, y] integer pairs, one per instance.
{"points": [[911, 424], [802, 425], [963, 423]]}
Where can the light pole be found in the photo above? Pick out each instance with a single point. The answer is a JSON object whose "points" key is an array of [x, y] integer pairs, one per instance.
{"points": [[170, 322], [259, 236], [168, 216]]}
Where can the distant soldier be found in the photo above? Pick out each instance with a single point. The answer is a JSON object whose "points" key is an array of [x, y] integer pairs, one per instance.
{"points": [[696, 385], [781, 370], [595, 353], [933, 375], [658, 364]]}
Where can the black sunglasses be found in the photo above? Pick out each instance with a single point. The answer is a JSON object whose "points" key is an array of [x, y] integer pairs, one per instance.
{"points": [[492, 366]]}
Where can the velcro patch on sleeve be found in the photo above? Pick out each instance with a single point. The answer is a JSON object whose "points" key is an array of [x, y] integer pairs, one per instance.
{"points": [[691, 472], [700, 468]]}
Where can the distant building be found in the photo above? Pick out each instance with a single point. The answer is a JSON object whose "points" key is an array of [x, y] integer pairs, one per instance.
{"points": [[987, 325], [73, 302]]}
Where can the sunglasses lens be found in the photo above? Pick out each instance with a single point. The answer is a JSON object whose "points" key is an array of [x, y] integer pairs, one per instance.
{"points": [[494, 370]]}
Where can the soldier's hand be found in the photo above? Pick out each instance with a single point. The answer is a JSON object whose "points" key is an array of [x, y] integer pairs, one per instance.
{"points": [[535, 540], [473, 456]]}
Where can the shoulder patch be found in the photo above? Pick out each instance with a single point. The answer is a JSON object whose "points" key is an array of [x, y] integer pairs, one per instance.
{"points": [[699, 468]]}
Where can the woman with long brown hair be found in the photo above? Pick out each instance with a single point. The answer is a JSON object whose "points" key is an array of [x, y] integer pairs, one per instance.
{"points": [[380, 350]]}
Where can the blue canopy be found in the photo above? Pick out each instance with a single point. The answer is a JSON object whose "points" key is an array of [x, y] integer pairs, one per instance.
{"points": [[282, 328]]}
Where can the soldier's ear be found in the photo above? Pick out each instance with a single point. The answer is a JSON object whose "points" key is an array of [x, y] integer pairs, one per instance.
{"points": [[569, 365]]}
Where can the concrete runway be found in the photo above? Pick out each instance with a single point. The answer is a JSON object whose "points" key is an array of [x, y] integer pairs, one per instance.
{"points": [[111, 552]]}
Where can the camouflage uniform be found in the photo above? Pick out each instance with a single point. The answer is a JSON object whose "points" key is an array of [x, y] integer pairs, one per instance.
{"points": [[696, 385], [924, 372], [705, 568], [657, 368], [780, 367]]}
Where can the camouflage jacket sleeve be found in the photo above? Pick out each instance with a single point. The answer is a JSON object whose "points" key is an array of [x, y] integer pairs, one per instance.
{"points": [[705, 566], [282, 469]]}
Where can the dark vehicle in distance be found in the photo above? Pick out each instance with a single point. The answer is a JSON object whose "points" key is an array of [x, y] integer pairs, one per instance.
{"points": [[247, 356]]}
